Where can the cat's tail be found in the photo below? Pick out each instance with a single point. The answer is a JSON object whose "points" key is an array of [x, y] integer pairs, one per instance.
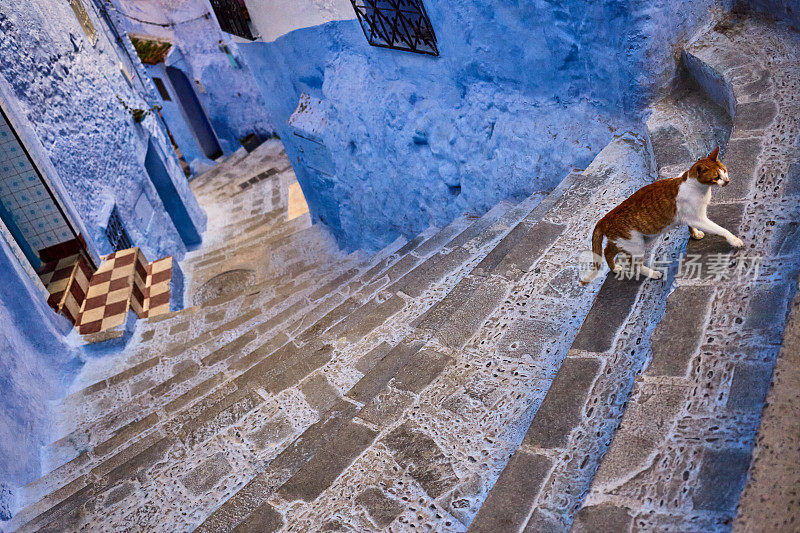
{"points": [[597, 250]]}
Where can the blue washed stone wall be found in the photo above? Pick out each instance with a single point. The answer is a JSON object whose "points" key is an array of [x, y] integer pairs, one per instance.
{"points": [[521, 93], [227, 91], [784, 10], [61, 93], [68, 91], [35, 363]]}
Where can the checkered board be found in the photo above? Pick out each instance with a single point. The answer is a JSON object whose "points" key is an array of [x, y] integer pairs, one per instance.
{"points": [[67, 281], [125, 281], [158, 287]]}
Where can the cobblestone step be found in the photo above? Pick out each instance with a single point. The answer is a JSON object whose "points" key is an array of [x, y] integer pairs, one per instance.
{"points": [[278, 360], [181, 326], [145, 379], [769, 499], [444, 414], [236, 401], [417, 374], [308, 466], [681, 454], [573, 424]]}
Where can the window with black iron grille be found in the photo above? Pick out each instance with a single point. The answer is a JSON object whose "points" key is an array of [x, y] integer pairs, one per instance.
{"points": [[116, 233], [397, 24], [233, 17], [162, 89]]}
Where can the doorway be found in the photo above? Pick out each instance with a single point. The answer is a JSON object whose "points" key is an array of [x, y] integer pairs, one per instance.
{"points": [[39, 226], [169, 196], [195, 114], [27, 205]]}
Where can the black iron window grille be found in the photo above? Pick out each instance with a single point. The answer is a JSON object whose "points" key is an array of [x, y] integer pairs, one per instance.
{"points": [[116, 233], [397, 24], [233, 17]]}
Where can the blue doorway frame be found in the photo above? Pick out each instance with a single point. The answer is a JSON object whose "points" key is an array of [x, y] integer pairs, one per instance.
{"points": [[168, 193], [195, 114]]}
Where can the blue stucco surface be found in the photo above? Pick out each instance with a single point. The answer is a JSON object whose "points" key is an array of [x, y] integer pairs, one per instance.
{"points": [[62, 94], [222, 82], [69, 91], [35, 364], [521, 93]]}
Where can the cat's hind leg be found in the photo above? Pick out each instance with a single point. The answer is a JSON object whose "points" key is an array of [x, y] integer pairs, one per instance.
{"points": [[610, 253], [695, 233], [635, 247]]}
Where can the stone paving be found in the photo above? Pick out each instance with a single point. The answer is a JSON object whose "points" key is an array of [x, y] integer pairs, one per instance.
{"points": [[462, 379], [681, 455], [679, 459], [254, 236]]}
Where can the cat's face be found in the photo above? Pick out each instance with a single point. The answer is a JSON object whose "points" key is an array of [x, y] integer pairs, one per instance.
{"points": [[710, 170]]}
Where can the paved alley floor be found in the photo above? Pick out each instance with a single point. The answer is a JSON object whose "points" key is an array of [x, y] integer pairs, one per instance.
{"points": [[259, 229]]}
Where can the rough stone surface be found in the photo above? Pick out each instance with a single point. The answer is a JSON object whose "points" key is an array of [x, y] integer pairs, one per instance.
{"points": [[720, 479], [677, 337], [512, 497], [563, 406], [602, 518], [612, 305], [204, 477], [770, 499], [704, 416], [423, 367], [326, 465], [423, 459], [382, 509]]}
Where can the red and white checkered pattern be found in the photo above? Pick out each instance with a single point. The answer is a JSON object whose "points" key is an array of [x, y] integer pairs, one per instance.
{"points": [[67, 281], [125, 281], [158, 287], [108, 299]]}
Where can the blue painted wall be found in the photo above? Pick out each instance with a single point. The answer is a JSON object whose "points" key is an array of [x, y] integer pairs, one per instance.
{"points": [[521, 93], [784, 10], [231, 100], [62, 95], [68, 91], [35, 363]]}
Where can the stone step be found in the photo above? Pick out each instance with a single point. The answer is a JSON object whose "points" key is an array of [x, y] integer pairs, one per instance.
{"points": [[443, 414], [274, 227], [143, 375], [181, 321], [307, 467], [411, 371], [147, 371], [285, 358], [490, 215], [698, 403], [768, 501], [277, 242], [550, 471]]}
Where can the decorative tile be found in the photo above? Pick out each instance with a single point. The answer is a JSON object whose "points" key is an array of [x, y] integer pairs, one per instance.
{"points": [[125, 281]]}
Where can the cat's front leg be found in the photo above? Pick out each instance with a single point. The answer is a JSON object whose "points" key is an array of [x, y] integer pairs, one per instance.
{"points": [[696, 234], [709, 226]]}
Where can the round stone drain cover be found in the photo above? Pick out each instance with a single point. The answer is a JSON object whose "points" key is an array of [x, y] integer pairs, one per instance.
{"points": [[223, 284]]}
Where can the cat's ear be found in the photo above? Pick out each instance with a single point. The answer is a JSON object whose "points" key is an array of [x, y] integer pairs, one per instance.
{"points": [[713, 155], [694, 171]]}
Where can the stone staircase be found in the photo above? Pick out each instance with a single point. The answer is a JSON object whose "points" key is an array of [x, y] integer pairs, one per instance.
{"points": [[462, 379], [685, 362]]}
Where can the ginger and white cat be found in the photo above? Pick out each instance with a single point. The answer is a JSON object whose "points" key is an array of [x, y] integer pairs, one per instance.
{"points": [[657, 207]]}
